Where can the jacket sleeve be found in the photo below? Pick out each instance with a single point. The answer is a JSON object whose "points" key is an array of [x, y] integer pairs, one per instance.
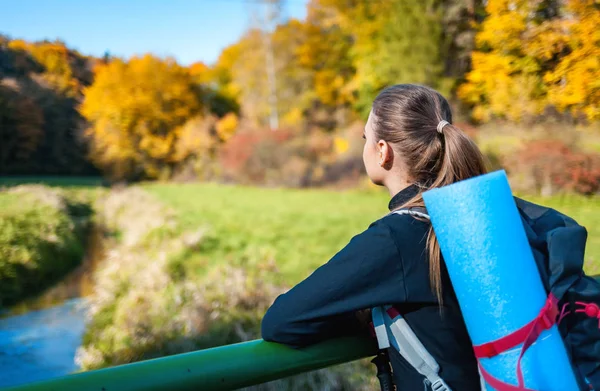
{"points": [[366, 273]]}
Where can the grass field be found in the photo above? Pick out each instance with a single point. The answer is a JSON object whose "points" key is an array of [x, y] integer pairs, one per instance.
{"points": [[302, 229], [299, 229]]}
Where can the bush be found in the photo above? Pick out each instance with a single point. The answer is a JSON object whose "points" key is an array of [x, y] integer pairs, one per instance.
{"points": [[277, 158], [41, 238], [548, 166], [146, 305], [582, 174]]}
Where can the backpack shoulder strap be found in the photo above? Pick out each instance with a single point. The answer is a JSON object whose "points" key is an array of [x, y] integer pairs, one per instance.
{"points": [[392, 330], [417, 212]]}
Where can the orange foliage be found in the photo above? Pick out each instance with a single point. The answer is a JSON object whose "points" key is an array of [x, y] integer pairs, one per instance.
{"points": [[137, 111], [56, 58]]}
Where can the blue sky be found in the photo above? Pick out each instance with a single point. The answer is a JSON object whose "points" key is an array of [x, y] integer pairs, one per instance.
{"points": [[189, 30]]}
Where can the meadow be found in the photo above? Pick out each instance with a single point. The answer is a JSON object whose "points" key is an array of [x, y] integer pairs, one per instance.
{"points": [[300, 229], [304, 228]]}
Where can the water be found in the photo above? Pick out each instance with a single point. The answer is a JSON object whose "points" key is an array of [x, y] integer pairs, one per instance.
{"points": [[40, 336], [41, 344]]}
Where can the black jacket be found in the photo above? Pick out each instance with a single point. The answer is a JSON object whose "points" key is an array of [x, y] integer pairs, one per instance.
{"points": [[386, 264]]}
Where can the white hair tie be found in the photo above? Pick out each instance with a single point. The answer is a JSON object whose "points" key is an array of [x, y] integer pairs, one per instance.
{"points": [[440, 126]]}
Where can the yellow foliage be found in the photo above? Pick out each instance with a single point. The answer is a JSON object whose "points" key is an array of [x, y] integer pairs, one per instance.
{"points": [[506, 21], [201, 72], [508, 93], [54, 57], [325, 51], [137, 111], [223, 71], [524, 65], [575, 82], [227, 126], [293, 117], [194, 138], [341, 145]]}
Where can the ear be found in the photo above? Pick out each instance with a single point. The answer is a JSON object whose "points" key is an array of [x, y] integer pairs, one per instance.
{"points": [[385, 152]]}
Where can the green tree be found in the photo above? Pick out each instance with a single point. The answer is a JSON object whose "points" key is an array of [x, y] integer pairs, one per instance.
{"points": [[395, 41]]}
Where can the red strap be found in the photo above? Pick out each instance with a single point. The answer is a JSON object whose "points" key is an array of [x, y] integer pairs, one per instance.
{"points": [[494, 348], [499, 385], [526, 335], [544, 321]]}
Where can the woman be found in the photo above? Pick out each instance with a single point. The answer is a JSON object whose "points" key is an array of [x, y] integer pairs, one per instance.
{"points": [[410, 146]]}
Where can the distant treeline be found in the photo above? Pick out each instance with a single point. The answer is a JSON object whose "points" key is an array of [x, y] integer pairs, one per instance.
{"points": [[143, 118]]}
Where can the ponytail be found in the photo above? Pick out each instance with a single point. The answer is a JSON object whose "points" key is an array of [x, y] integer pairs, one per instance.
{"points": [[461, 157], [417, 121], [461, 160]]}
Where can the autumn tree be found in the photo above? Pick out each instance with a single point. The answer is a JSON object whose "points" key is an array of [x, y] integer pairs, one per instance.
{"points": [[325, 54], [394, 41], [241, 74], [137, 112], [532, 55], [43, 80], [63, 69], [20, 129], [574, 84], [312, 68]]}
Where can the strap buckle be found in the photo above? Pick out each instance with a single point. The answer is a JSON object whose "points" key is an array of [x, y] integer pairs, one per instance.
{"points": [[439, 385]]}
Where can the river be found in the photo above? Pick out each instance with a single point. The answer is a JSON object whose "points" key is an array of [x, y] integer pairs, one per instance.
{"points": [[40, 336]]}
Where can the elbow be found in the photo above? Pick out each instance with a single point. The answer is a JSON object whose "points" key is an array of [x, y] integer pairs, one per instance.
{"points": [[268, 330], [272, 328], [276, 327]]}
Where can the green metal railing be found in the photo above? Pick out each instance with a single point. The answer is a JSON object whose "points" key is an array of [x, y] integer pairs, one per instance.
{"points": [[222, 368]]}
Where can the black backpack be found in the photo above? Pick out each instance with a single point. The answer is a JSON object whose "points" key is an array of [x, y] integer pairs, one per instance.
{"points": [[558, 245]]}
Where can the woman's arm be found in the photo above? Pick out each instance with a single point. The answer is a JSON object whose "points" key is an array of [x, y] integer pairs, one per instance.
{"points": [[366, 273]]}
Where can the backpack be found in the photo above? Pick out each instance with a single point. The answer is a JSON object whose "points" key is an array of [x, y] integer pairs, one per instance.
{"points": [[558, 246]]}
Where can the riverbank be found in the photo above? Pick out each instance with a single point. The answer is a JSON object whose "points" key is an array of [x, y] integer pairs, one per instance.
{"points": [[170, 285], [43, 233], [49, 244]]}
